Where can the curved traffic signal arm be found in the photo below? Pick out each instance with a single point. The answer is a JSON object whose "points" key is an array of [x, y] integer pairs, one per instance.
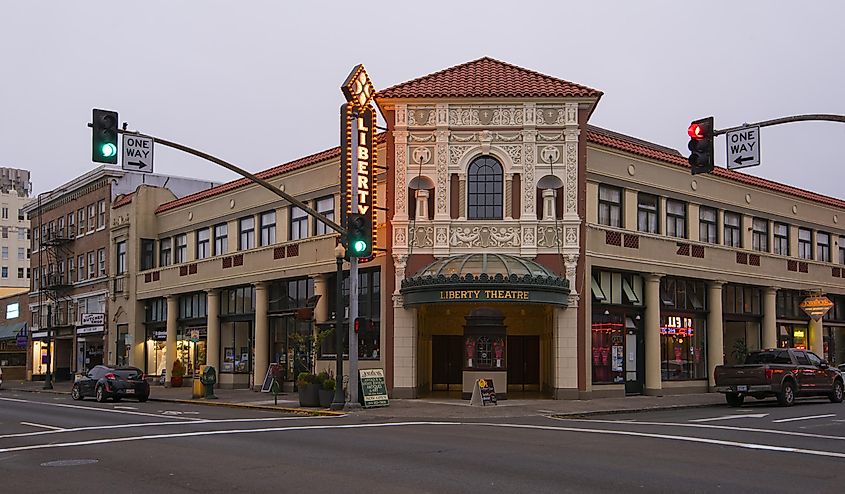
{"points": [[701, 134]]}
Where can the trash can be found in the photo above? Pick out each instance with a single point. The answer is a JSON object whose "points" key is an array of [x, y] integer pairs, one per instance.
{"points": [[208, 378]]}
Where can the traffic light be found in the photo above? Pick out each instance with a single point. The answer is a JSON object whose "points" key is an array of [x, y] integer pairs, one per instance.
{"points": [[701, 145], [359, 235], [362, 324], [104, 137]]}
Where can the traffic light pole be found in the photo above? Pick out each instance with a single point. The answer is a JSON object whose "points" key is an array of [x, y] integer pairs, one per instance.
{"points": [[353, 284], [783, 120]]}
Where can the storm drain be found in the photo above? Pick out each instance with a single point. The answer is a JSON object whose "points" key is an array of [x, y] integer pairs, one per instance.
{"points": [[68, 463]]}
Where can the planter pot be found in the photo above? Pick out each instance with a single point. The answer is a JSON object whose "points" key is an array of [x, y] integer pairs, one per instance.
{"points": [[326, 396], [176, 382], [309, 395]]}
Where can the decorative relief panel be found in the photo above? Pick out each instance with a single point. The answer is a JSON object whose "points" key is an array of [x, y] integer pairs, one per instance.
{"points": [[422, 236], [456, 153], [529, 236], [421, 116], [401, 116], [550, 137], [399, 236], [528, 185], [550, 155], [529, 113], [571, 177], [421, 155], [421, 137], [441, 236], [485, 236], [548, 236], [486, 115], [550, 115], [442, 114], [571, 110], [514, 152], [400, 140], [570, 238], [442, 172]]}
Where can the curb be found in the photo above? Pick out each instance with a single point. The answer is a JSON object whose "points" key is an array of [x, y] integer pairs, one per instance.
{"points": [[299, 411]]}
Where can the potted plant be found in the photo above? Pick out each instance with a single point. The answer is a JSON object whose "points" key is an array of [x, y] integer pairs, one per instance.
{"points": [[309, 389], [327, 392], [177, 374]]}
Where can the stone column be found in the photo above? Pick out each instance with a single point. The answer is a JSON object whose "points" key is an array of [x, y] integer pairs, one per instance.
{"points": [[170, 346], [405, 341], [213, 330], [715, 331], [462, 195], [548, 204], [508, 196], [262, 334], [422, 204], [321, 288], [770, 323], [816, 340], [653, 381]]}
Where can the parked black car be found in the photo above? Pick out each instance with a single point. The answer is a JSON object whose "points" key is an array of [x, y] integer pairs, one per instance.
{"points": [[104, 382]]}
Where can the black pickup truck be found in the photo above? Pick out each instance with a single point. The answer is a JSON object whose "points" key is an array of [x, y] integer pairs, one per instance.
{"points": [[785, 373]]}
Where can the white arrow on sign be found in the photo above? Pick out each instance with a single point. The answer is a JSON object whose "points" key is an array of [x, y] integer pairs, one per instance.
{"points": [[137, 153], [728, 417], [743, 147]]}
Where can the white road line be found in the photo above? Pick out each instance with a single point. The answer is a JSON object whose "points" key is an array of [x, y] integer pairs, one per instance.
{"points": [[155, 424], [808, 417], [706, 426], [108, 410], [717, 442], [731, 417], [33, 424]]}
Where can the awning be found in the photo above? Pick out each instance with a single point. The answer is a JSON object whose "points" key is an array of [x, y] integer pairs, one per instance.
{"points": [[497, 278], [10, 331]]}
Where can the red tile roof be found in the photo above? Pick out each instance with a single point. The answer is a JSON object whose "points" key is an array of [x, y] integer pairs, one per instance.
{"points": [[266, 174], [646, 149], [123, 201], [486, 78]]}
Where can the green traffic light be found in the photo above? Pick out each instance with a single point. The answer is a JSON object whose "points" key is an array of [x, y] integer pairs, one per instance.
{"points": [[108, 150], [359, 246]]}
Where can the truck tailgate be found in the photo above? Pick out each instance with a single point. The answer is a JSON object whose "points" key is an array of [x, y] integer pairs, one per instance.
{"points": [[752, 375]]}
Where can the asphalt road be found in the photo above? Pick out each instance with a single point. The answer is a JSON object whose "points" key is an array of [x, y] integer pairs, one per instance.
{"points": [[49, 443]]}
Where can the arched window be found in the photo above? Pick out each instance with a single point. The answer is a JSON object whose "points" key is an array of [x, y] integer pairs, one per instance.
{"points": [[484, 191]]}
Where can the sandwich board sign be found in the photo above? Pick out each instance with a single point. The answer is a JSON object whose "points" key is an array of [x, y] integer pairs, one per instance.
{"points": [[483, 393], [372, 389]]}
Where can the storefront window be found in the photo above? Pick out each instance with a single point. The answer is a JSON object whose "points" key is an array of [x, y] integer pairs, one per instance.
{"points": [[793, 336], [369, 307], [607, 348], [236, 345], [156, 351], [191, 345], [682, 348]]}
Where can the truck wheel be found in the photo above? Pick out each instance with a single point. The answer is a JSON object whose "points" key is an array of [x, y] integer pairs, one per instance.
{"points": [[838, 392], [786, 398], [734, 399]]}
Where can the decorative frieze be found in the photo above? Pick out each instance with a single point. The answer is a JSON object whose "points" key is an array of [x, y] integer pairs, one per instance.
{"points": [[485, 236], [422, 236], [421, 116], [486, 115], [400, 139], [457, 152], [442, 197]]}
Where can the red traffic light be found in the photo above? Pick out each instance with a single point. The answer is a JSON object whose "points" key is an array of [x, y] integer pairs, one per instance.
{"points": [[696, 131]]}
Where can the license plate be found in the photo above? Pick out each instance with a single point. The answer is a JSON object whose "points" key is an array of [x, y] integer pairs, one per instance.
{"points": [[129, 391], [742, 388]]}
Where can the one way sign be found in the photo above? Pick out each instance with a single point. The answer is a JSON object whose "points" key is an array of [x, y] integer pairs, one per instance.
{"points": [[137, 153], [743, 148]]}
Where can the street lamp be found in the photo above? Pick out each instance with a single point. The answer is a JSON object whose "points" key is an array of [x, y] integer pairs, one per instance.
{"points": [[339, 400]]}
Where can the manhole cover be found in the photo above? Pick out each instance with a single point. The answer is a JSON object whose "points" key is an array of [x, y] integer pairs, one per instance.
{"points": [[68, 463]]}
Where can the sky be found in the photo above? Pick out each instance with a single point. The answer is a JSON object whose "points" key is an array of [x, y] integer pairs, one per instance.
{"points": [[257, 83]]}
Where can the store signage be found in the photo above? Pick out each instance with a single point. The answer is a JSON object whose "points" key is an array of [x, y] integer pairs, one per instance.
{"points": [[483, 393], [160, 335], [816, 306], [39, 334], [90, 329], [372, 389], [21, 340], [195, 335], [358, 121], [450, 295], [94, 319], [676, 325]]}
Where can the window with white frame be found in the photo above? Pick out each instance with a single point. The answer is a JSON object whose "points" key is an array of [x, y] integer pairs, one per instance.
{"points": [[805, 243], [325, 206], [268, 228], [101, 214], [823, 246], [707, 218], [676, 218], [181, 248], [92, 217], [203, 243], [101, 260], [733, 230], [781, 239], [221, 239], [246, 227], [298, 223], [760, 234], [92, 265]]}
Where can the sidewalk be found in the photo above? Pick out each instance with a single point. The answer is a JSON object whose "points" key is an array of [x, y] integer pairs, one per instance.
{"points": [[424, 408]]}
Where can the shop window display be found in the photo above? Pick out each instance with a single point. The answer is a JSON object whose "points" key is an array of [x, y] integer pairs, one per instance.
{"points": [[682, 348], [608, 348]]}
